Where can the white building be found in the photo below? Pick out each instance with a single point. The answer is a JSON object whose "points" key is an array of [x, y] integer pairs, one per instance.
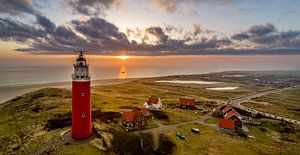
{"points": [[153, 103]]}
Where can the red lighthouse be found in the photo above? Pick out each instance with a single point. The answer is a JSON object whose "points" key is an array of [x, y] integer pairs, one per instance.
{"points": [[81, 99]]}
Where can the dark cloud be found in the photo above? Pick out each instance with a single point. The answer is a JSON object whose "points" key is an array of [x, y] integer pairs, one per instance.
{"points": [[104, 38], [262, 29], [94, 7], [159, 34], [17, 7], [17, 31], [240, 36], [46, 23], [267, 35]]}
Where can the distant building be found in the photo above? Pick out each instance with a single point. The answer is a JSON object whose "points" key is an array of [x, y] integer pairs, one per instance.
{"points": [[233, 115], [145, 112], [134, 120], [226, 125], [227, 109], [227, 112], [187, 103], [153, 103]]}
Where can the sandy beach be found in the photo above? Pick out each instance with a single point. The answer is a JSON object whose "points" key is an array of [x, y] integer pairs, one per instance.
{"points": [[10, 92]]}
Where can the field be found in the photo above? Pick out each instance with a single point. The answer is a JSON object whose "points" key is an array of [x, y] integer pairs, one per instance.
{"points": [[212, 141], [286, 104], [31, 121]]}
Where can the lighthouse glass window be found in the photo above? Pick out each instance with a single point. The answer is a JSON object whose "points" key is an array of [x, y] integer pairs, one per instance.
{"points": [[82, 94]]}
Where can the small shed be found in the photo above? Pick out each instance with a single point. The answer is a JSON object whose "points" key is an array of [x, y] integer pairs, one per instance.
{"points": [[187, 103], [226, 125]]}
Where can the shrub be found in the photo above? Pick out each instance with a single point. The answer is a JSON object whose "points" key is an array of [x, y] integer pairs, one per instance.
{"points": [[134, 144], [166, 145], [59, 121], [160, 114], [106, 117], [241, 133]]}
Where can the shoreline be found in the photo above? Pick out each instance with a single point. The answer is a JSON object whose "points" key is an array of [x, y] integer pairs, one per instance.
{"points": [[9, 92]]}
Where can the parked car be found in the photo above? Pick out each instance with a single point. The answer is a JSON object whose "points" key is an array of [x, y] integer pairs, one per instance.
{"points": [[195, 130], [180, 135]]}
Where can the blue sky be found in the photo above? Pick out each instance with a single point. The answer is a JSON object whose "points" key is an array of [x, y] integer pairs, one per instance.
{"points": [[150, 27]]}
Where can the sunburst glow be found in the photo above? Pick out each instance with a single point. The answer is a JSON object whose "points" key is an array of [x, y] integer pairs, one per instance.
{"points": [[123, 57]]}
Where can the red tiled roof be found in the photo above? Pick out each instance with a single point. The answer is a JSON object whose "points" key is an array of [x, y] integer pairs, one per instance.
{"points": [[130, 116], [152, 100], [186, 101], [144, 111], [226, 109], [230, 114], [226, 123]]}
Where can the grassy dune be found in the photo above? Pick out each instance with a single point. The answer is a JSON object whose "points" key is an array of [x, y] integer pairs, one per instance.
{"points": [[23, 123], [211, 141], [286, 104]]}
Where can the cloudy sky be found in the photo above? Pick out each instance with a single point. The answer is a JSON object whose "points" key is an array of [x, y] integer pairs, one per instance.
{"points": [[150, 27]]}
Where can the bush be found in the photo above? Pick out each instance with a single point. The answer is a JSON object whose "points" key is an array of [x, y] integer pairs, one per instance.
{"points": [[130, 143], [241, 133], [59, 121], [166, 146], [160, 114], [106, 117]]}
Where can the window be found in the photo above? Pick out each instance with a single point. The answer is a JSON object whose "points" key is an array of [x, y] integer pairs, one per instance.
{"points": [[77, 77], [82, 94], [81, 69], [82, 76]]}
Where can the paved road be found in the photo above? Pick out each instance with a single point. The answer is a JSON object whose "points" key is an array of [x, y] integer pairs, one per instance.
{"points": [[170, 127], [237, 103]]}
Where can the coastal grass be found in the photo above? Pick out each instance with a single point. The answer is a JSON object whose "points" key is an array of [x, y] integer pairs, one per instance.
{"points": [[23, 122], [212, 120], [285, 104], [212, 141]]}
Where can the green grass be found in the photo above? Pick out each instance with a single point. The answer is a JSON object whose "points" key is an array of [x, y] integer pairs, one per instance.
{"points": [[79, 149], [213, 120], [211, 141], [22, 122], [286, 104]]}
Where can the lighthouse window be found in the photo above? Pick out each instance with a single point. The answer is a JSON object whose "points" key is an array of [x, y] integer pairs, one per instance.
{"points": [[83, 115], [82, 76], [81, 69], [82, 94], [77, 77]]}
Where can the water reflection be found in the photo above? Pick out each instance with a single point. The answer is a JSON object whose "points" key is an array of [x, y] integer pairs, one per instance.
{"points": [[122, 72]]}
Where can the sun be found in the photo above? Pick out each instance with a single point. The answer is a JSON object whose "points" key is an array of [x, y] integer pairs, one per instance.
{"points": [[123, 57]]}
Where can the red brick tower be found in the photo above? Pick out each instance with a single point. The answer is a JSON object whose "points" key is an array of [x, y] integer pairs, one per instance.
{"points": [[81, 99]]}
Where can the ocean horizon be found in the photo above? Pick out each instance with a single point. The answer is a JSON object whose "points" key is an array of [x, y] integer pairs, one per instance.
{"points": [[151, 67]]}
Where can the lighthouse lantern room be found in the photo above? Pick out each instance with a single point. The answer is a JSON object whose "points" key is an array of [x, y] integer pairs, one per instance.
{"points": [[81, 99]]}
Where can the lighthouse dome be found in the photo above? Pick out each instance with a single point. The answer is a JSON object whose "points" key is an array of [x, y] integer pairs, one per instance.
{"points": [[80, 59]]}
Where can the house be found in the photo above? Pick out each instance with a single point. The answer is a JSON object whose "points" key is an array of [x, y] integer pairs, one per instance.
{"points": [[145, 112], [226, 125], [133, 120], [227, 109], [187, 103], [153, 103], [233, 115]]}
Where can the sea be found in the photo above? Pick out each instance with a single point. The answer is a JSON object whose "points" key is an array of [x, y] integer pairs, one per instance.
{"points": [[146, 67]]}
